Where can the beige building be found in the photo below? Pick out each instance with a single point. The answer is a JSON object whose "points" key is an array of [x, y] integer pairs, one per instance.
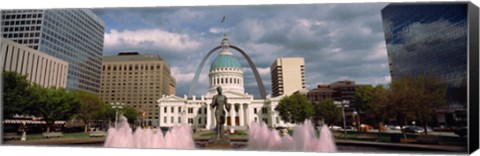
{"points": [[137, 81], [39, 67], [288, 75]]}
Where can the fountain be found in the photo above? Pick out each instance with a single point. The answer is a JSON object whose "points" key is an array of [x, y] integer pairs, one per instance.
{"points": [[178, 137], [260, 138], [303, 139]]}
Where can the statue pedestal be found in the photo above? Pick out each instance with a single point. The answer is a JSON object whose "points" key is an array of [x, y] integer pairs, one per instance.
{"points": [[215, 143]]}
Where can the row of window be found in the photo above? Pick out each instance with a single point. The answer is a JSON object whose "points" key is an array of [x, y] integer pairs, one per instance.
{"points": [[179, 121], [17, 29], [219, 81], [21, 16], [23, 22], [130, 67]]}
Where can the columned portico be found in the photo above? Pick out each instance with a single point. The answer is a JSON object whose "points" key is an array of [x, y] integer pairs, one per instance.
{"points": [[209, 116], [232, 114], [240, 110]]}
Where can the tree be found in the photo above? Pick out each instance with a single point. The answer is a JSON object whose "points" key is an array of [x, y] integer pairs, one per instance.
{"points": [[130, 113], [328, 112], [294, 108], [429, 93], [91, 107], [369, 105], [16, 94], [396, 101], [54, 104], [107, 114]]}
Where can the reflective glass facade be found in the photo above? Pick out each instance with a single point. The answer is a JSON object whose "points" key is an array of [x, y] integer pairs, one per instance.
{"points": [[72, 35], [430, 39]]}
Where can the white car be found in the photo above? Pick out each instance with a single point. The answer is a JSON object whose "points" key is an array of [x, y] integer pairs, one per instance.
{"points": [[333, 127]]}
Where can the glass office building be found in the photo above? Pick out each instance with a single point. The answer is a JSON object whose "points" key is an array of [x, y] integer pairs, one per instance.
{"points": [[431, 39], [72, 35]]}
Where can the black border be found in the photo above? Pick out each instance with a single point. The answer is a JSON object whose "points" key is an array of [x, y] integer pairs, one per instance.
{"points": [[473, 108]]}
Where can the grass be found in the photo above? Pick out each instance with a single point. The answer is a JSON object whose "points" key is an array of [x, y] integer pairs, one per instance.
{"points": [[65, 135]]}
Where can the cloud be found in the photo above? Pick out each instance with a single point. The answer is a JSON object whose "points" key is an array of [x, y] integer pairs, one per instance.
{"points": [[154, 38], [337, 41]]}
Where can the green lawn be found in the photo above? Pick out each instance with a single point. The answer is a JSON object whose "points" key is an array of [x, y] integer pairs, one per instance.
{"points": [[65, 135]]}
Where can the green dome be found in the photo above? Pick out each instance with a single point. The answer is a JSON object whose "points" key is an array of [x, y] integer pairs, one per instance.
{"points": [[225, 61]]}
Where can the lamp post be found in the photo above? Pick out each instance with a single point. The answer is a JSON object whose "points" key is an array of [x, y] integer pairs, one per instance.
{"points": [[144, 122], [343, 104], [116, 106], [357, 120]]}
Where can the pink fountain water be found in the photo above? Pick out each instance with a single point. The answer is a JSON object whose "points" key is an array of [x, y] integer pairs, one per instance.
{"points": [[303, 139], [260, 137], [178, 137]]}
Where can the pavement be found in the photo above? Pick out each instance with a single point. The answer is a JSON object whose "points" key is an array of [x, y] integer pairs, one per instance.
{"points": [[342, 145], [450, 134]]}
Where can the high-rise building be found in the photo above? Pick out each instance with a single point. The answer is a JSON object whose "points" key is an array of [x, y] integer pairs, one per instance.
{"points": [[40, 68], [137, 81], [288, 76], [72, 35], [431, 39]]}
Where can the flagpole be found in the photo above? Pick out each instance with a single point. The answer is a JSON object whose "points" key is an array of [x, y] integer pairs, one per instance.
{"points": [[223, 25]]}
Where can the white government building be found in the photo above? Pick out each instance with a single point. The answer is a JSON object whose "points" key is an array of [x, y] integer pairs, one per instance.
{"points": [[225, 71]]}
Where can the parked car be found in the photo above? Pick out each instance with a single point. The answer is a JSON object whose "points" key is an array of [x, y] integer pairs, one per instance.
{"points": [[413, 129], [462, 132], [333, 127], [350, 128], [392, 127]]}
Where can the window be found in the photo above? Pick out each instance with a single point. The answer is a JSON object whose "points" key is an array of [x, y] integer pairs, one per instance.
{"points": [[171, 119], [165, 109], [179, 109], [172, 109], [179, 120], [164, 119], [264, 110], [190, 120], [255, 111]]}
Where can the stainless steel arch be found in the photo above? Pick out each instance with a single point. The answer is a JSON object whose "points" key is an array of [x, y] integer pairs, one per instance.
{"points": [[261, 87]]}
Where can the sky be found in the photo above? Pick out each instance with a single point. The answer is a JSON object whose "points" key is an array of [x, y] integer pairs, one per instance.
{"points": [[337, 41]]}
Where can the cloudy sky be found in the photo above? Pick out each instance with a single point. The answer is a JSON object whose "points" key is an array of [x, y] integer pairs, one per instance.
{"points": [[338, 41]]}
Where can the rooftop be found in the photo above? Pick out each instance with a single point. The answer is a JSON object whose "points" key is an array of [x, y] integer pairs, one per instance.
{"points": [[133, 56]]}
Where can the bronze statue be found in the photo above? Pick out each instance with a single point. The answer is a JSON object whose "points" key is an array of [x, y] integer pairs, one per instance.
{"points": [[219, 102]]}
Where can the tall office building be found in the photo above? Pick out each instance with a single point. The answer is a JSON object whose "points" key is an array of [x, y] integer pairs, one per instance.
{"points": [[288, 76], [137, 81], [40, 68], [431, 39], [72, 35]]}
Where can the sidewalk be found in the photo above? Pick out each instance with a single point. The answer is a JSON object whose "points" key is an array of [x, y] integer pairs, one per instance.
{"points": [[57, 141], [403, 147]]}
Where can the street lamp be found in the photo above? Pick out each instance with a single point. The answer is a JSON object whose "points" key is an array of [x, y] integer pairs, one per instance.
{"points": [[357, 120], [116, 106], [343, 104]]}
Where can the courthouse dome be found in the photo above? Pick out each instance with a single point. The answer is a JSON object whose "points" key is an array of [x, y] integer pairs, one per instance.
{"points": [[225, 59]]}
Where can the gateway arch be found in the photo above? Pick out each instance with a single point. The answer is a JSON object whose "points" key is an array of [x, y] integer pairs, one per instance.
{"points": [[261, 87]]}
